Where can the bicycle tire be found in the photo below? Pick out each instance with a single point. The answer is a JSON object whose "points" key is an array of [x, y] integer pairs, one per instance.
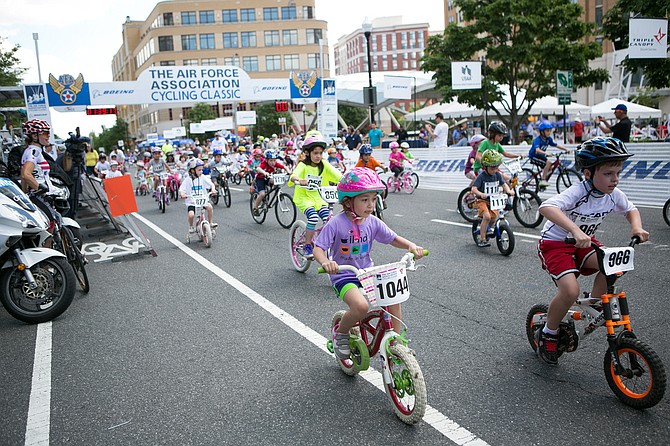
{"points": [[408, 184], [529, 179], [360, 357], [215, 198], [632, 395], [76, 259], [379, 209], [532, 328], [467, 212], [566, 178], [505, 239], [415, 179], [526, 205], [226, 195], [407, 392], [248, 179], [285, 210], [207, 234], [236, 179], [666, 212], [475, 230], [162, 204], [296, 240], [263, 211]]}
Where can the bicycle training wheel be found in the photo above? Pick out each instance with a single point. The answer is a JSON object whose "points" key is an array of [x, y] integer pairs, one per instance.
{"points": [[407, 391], [262, 210], [642, 382], [76, 259], [207, 234], [359, 358], [567, 178], [285, 210], [505, 239], [666, 212], [526, 206], [467, 205], [297, 240], [226, 195]]}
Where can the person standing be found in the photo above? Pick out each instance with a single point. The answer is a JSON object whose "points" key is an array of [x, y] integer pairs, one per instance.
{"points": [[353, 139], [578, 129], [620, 130], [440, 133], [375, 135], [91, 159], [401, 134]]}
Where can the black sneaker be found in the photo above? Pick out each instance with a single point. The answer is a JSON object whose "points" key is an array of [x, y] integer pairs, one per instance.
{"points": [[483, 244], [547, 346]]}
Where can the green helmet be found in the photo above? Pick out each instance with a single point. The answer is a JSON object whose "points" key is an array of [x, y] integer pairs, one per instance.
{"points": [[491, 158]]}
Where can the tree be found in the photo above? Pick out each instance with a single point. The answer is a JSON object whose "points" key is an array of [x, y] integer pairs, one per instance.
{"points": [[198, 113], [111, 137], [267, 119], [525, 42], [352, 115], [615, 28], [11, 74]]}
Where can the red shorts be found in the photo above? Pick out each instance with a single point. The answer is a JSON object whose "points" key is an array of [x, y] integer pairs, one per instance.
{"points": [[558, 258]]}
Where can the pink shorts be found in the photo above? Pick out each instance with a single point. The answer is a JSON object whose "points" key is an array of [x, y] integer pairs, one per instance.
{"points": [[558, 258]]}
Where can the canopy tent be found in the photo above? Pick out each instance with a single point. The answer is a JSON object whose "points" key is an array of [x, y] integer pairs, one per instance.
{"points": [[548, 106], [449, 110], [635, 111]]}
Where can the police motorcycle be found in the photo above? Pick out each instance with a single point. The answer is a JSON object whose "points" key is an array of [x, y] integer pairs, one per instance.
{"points": [[36, 284]]}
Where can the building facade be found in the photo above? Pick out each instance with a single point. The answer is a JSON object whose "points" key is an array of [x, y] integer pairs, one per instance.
{"points": [[266, 38]]}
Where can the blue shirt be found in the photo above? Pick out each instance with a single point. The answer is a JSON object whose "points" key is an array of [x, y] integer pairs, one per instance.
{"points": [[542, 144], [375, 136]]}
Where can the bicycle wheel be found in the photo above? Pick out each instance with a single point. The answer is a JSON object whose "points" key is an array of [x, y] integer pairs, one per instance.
{"points": [[297, 240], [379, 208], [467, 205], [226, 195], [207, 234], [505, 239], [236, 179], [407, 392], [285, 210], [529, 179], [642, 382], [531, 327], [248, 178], [408, 184], [162, 204], [415, 179], [359, 358], [262, 209], [666, 212], [215, 198], [526, 206], [75, 258], [475, 230], [176, 191], [567, 178]]}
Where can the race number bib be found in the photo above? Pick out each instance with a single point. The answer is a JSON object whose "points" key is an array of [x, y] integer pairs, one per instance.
{"points": [[279, 178], [313, 182], [618, 260], [491, 188], [391, 285], [513, 166], [200, 200], [497, 202], [164, 176], [329, 194]]}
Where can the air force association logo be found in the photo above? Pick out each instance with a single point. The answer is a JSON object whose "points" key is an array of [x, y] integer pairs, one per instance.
{"points": [[304, 82], [67, 87]]}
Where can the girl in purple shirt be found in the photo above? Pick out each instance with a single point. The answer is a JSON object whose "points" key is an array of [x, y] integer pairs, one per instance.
{"points": [[349, 237]]}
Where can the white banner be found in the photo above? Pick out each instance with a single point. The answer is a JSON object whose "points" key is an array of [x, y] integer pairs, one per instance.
{"points": [[466, 75], [328, 109], [169, 134], [37, 103], [648, 38], [270, 89], [397, 87], [179, 131], [195, 127], [246, 117]]}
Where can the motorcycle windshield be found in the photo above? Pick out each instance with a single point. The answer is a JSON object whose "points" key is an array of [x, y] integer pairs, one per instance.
{"points": [[12, 191]]}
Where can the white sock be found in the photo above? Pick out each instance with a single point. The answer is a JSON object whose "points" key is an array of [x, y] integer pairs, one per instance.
{"points": [[550, 331]]}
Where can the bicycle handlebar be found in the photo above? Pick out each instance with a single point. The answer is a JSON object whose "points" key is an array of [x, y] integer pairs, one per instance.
{"points": [[353, 269], [633, 241]]}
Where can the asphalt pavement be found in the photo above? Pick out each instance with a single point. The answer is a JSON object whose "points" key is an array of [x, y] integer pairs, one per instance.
{"points": [[221, 345]]}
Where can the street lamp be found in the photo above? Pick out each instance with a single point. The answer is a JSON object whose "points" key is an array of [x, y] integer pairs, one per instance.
{"points": [[181, 120], [367, 30], [304, 122], [36, 37]]}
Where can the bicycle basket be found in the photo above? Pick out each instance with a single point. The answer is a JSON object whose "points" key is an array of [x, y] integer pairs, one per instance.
{"points": [[385, 285]]}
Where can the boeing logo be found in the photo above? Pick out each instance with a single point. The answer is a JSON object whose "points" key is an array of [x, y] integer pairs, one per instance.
{"points": [[258, 89]]}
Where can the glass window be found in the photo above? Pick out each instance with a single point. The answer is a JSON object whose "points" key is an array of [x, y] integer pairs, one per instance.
{"points": [[313, 35], [165, 43], [230, 40], [290, 37], [229, 16], [247, 15], [207, 41], [190, 62], [289, 13], [312, 61], [208, 62], [206, 17], [167, 19], [188, 18], [270, 14], [272, 38], [188, 42], [250, 63], [307, 12], [248, 39], [599, 13], [234, 61], [291, 62], [167, 63], [272, 63]]}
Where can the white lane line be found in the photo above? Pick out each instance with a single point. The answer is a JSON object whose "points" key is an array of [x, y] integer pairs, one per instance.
{"points": [[235, 188], [464, 225], [433, 417], [39, 408]]}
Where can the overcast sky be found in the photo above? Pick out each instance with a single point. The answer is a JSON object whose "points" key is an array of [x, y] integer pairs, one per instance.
{"points": [[82, 36]]}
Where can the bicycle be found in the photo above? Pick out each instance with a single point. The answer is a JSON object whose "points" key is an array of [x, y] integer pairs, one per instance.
{"points": [[404, 181], [285, 209], [203, 229], [666, 212], [221, 186], [297, 237], [526, 203], [161, 192], [566, 176], [382, 286], [173, 186], [628, 361], [501, 230]]}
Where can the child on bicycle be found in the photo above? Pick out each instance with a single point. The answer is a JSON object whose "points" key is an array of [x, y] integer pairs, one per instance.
{"points": [[367, 160], [158, 165], [267, 167], [334, 160], [474, 143], [141, 176], [538, 150], [349, 236], [114, 171], [496, 132], [396, 157], [196, 184], [488, 180], [313, 167], [404, 148], [577, 212]]}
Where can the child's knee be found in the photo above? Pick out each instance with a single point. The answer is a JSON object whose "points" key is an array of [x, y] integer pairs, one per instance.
{"points": [[568, 290]]}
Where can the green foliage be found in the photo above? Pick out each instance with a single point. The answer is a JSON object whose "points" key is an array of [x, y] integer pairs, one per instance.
{"points": [[267, 119], [110, 137], [525, 42], [201, 112], [352, 115], [615, 28], [11, 73]]}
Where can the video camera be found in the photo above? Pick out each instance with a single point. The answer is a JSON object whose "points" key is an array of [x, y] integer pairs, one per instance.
{"points": [[76, 144]]}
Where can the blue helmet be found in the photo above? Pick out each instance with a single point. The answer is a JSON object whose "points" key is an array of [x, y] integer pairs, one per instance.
{"points": [[366, 149], [270, 155], [545, 125], [217, 152]]}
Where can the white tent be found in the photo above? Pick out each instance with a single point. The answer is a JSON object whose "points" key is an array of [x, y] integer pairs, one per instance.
{"points": [[548, 106], [635, 111], [448, 110]]}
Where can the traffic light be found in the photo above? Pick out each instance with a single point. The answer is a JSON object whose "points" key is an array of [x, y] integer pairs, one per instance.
{"points": [[281, 106]]}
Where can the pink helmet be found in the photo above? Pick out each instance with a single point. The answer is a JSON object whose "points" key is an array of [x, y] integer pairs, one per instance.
{"points": [[394, 145], [314, 141], [35, 127], [256, 152], [476, 138], [289, 144], [358, 180]]}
